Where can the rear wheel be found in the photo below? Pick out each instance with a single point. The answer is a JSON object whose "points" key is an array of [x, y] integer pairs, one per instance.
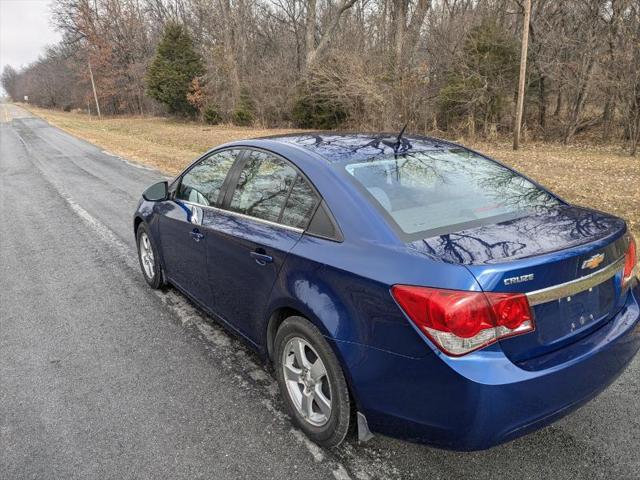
{"points": [[311, 382], [148, 257]]}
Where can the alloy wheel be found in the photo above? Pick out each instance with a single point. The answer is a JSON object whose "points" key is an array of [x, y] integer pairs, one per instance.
{"points": [[307, 381], [146, 255]]}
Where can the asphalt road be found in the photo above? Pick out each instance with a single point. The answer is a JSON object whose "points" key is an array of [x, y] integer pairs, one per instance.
{"points": [[100, 377]]}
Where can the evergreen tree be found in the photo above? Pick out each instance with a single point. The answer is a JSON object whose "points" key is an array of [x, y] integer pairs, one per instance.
{"points": [[174, 67]]}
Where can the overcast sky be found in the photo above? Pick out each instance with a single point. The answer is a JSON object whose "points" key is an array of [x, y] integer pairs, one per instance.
{"points": [[25, 30]]}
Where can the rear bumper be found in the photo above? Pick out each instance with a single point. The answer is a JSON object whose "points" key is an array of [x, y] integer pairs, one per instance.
{"points": [[483, 399]]}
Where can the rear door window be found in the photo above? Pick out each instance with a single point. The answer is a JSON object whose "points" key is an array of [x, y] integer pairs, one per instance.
{"points": [[263, 186], [269, 188], [202, 184]]}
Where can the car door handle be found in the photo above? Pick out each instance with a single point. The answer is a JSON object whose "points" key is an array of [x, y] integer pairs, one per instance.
{"points": [[196, 235], [261, 257]]}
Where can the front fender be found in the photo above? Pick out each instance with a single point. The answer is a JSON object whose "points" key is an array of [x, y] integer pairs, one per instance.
{"points": [[147, 213]]}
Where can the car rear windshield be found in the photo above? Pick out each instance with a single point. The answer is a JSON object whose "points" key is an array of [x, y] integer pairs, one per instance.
{"points": [[442, 191]]}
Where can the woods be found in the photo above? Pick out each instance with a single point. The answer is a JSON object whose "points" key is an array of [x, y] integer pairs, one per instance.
{"points": [[447, 67]]}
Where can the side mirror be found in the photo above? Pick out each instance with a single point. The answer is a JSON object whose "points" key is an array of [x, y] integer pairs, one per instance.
{"points": [[157, 192]]}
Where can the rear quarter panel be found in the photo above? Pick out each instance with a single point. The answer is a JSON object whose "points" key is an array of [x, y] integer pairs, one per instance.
{"points": [[344, 288]]}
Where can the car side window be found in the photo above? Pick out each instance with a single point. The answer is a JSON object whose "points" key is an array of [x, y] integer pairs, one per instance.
{"points": [[300, 205], [202, 184], [263, 186]]}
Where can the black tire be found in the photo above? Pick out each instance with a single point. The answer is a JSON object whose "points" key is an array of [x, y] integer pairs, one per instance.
{"points": [[334, 431], [156, 281]]}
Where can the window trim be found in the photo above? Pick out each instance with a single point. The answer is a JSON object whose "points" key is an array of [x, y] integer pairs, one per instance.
{"points": [[248, 217]]}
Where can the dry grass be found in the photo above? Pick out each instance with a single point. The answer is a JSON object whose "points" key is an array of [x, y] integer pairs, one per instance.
{"points": [[166, 144], [598, 177]]}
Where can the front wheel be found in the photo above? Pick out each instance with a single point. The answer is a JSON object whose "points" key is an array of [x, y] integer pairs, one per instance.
{"points": [[311, 382], [148, 257]]}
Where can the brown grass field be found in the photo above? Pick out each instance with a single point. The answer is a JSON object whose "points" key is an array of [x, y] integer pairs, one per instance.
{"points": [[599, 177]]}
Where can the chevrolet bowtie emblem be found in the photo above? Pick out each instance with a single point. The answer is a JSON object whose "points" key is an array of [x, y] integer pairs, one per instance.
{"points": [[594, 261]]}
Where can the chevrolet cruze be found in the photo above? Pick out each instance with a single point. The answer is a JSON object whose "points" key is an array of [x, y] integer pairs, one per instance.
{"points": [[401, 285]]}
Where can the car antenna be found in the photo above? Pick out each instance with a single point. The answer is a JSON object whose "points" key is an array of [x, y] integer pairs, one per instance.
{"points": [[399, 139]]}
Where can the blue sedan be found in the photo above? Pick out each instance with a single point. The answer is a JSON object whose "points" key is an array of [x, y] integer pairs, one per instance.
{"points": [[403, 285]]}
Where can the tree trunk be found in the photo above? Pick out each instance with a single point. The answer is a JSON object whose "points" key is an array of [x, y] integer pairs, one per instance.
{"points": [[607, 117], [229, 54], [310, 32], [523, 74], [407, 35], [400, 26], [329, 33], [558, 109], [412, 34], [542, 103], [471, 125], [578, 105], [634, 126]]}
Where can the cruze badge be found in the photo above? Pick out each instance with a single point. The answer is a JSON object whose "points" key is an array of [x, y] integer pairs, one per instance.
{"points": [[520, 279], [593, 262]]}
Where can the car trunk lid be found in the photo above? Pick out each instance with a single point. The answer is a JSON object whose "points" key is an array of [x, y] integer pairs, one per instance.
{"points": [[567, 260]]}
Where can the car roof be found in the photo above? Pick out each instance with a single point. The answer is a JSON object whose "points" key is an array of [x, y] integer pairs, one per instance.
{"points": [[351, 146]]}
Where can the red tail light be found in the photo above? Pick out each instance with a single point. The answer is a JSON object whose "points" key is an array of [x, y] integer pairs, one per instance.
{"points": [[459, 322], [630, 260]]}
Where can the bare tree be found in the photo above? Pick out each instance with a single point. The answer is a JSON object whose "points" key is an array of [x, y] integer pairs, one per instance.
{"points": [[315, 50]]}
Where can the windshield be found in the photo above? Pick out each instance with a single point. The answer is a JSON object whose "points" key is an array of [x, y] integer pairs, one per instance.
{"points": [[443, 191]]}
